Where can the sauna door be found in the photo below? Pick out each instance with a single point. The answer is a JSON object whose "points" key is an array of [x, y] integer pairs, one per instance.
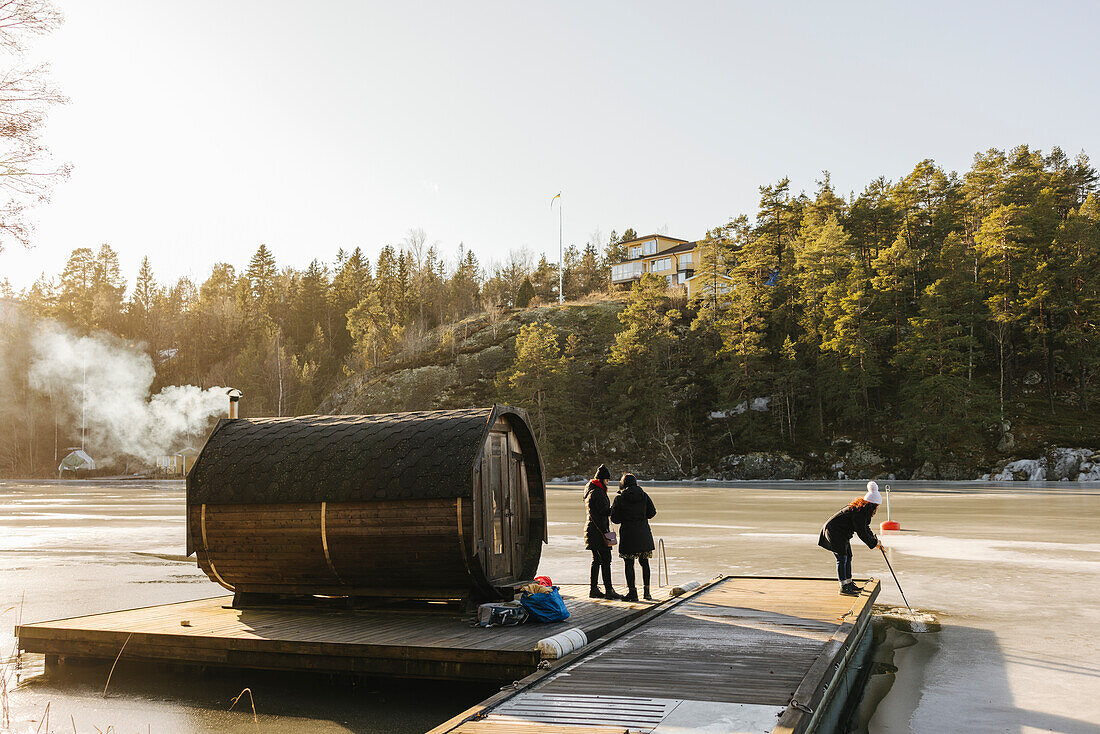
{"points": [[502, 486]]}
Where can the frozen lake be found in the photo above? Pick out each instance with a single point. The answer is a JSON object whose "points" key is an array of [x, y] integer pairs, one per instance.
{"points": [[1011, 570]]}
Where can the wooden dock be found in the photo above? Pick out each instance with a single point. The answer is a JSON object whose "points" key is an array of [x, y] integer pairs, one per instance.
{"points": [[415, 644], [741, 654]]}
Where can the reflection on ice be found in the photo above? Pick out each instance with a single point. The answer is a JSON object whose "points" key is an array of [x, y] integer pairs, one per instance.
{"points": [[1031, 553]]}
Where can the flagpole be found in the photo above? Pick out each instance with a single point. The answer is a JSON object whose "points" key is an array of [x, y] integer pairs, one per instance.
{"points": [[83, 397], [561, 265]]}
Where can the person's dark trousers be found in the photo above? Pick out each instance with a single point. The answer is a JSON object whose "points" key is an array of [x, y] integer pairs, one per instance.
{"points": [[601, 560], [631, 578], [843, 568]]}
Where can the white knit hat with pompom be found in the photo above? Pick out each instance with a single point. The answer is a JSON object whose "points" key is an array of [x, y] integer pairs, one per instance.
{"points": [[872, 495]]}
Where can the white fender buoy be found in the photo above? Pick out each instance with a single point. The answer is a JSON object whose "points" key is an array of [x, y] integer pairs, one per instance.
{"points": [[562, 643], [684, 588]]}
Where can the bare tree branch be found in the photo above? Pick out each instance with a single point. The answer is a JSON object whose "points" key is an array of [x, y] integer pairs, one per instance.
{"points": [[27, 173]]}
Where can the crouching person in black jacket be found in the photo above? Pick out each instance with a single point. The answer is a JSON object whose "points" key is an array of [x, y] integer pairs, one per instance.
{"points": [[633, 509], [854, 519]]}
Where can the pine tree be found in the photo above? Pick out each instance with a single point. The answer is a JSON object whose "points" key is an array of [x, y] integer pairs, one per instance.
{"points": [[822, 259], [43, 297], [464, 284], [145, 288], [526, 294], [545, 281], [402, 305], [943, 410], [872, 221], [372, 326], [983, 187], [261, 276], [776, 219], [851, 334], [591, 275], [570, 276], [309, 307], [999, 243], [717, 257], [644, 355], [143, 306], [350, 285], [615, 252], [535, 370], [76, 297], [1075, 303]]}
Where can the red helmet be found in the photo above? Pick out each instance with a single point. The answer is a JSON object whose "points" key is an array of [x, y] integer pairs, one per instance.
{"points": [[543, 581]]}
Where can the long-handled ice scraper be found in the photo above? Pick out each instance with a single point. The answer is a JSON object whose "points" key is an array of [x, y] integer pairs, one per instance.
{"points": [[895, 578]]}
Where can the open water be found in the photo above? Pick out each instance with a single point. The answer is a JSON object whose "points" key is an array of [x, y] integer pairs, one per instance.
{"points": [[1010, 571]]}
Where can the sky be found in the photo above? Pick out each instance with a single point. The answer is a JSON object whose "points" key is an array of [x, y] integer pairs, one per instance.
{"points": [[199, 130]]}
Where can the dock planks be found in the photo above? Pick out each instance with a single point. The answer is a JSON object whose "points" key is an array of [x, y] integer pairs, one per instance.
{"points": [[402, 643], [741, 654]]}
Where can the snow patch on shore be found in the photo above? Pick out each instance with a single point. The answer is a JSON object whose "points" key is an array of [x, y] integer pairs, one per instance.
{"points": [[1062, 464]]}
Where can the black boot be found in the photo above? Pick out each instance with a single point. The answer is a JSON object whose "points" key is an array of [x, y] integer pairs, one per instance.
{"points": [[632, 594], [594, 582], [646, 595], [849, 590], [608, 591]]}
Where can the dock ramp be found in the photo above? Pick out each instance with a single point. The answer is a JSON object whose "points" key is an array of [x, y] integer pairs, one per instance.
{"points": [[740, 654]]}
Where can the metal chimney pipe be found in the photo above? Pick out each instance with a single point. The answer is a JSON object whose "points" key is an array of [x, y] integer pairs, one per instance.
{"points": [[234, 398]]}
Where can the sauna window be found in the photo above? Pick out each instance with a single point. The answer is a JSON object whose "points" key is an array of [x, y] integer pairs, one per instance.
{"points": [[518, 474]]}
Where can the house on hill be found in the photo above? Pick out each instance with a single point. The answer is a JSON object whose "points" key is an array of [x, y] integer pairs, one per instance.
{"points": [[674, 259], [177, 464]]}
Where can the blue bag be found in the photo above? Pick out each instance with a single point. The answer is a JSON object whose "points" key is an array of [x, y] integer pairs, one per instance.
{"points": [[545, 607]]}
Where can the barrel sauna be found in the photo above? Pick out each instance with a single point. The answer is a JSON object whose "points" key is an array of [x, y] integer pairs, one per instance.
{"points": [[446, 504]]}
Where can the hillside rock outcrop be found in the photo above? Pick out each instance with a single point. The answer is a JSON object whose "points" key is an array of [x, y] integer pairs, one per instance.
{"points": [[762, 465]]}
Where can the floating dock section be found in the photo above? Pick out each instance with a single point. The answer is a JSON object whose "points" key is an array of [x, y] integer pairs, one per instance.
{"points": [[403, 643], [740, 654]]}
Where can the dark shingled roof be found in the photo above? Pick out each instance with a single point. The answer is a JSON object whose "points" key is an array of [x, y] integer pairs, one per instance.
{"points": [[683, 247], [343, 458]]}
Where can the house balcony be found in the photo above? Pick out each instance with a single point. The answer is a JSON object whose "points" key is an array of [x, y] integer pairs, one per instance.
{"points": [[624, 272]]}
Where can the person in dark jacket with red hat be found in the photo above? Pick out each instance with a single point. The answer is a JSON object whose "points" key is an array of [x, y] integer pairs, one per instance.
{"points": [[836, 534], [597, 511], [632, 510]]}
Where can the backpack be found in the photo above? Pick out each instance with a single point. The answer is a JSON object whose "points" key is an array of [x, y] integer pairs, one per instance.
{"points": [[548, 607]]}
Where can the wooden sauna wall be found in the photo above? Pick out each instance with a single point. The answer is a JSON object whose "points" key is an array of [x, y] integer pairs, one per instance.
{"points": [[383, 548]]}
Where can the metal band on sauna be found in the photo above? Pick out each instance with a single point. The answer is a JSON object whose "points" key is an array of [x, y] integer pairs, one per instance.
{"points": [[324, 544], [206, 550], [461, 539]]}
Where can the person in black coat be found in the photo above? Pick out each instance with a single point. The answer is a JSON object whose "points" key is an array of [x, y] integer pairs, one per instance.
{"points": [[836, 534], [632, 510], [597, 513]]}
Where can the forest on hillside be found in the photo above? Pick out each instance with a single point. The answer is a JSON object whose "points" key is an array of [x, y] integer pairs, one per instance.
{"points": [[928, 315]]}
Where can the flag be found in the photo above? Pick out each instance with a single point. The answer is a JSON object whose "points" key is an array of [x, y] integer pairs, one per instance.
{"points": [[555, 198]]}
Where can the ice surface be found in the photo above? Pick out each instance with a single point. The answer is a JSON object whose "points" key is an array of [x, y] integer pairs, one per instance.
{"points": [[1011, 572]]}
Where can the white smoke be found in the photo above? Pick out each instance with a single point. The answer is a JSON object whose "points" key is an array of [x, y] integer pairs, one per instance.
{"points": [[109, 381]]}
